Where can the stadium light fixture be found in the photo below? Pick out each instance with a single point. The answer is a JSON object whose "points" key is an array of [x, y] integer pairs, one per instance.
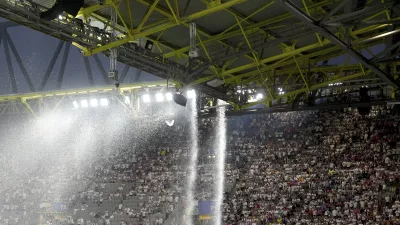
{"points": [[94, 103], [76, 105], [190, 94], [159, 97], [104, 102], [168, 96], [146, 98], [84, 103]]}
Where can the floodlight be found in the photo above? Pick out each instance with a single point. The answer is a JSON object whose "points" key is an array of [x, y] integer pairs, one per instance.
{"points": [[75, 104], [94, 103], [104, 102], [84, 103], [159, 97], [168, 96], [60, 17], [127, 100], [146, 98], [179, 99], [190, 94]]}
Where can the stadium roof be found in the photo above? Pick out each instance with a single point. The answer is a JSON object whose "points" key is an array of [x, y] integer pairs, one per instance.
{"points": [[281, 48]]}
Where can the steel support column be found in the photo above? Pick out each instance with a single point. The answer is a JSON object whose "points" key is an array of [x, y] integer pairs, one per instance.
{"points": [[9, 62], [333, 11], [102, 70], [51, 66], [19, 61], [88, 70], [334, 39], [137, 76], [123, 74], [63, 64]]}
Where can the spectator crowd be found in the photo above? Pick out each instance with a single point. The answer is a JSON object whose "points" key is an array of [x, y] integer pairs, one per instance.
{"points": [[314, 167]]}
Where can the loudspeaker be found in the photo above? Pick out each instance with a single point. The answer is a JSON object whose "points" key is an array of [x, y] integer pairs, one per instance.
{"points": [[179, 99], [71, 7], [364, 110], [364, 97]]}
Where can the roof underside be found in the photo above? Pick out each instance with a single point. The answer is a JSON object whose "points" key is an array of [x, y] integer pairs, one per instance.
{"points": [[270, 45]]}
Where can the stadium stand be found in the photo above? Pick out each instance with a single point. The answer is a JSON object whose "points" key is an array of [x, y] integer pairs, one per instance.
{"points": [[315, 167]]}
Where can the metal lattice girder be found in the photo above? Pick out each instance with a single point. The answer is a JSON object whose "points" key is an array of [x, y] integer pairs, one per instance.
{"points": [[137, 76], [334, 39], [302, 90], [63, 64], [36, 103], [232, 71], [237, 54], [51, 66], [248, 29], [286, 61], [9, 62], [88, 70], [124, 73], [132, 87], [164, 26], [201, 31], [286, 57], [102, 70], [19, 61]]}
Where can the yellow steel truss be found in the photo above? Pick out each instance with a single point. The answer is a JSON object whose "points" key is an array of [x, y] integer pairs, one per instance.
{"points": [[253, 67]]}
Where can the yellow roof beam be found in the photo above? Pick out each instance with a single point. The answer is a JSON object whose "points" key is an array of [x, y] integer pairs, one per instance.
{"points": [[248, 29], [99, 89], [170, 24], [283, 55], [171, 16], [298, 91], [250, 74]]}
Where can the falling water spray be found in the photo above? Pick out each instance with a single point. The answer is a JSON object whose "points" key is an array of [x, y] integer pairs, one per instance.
{"points": [[220, 166], [192, 167]]}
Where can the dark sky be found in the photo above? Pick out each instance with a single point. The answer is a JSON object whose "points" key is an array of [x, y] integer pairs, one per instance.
{"points": [[36, 50]]}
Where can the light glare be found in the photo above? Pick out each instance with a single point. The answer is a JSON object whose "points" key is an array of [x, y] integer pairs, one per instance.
{"points": [[159, 97], [104, 102], [76, 105], [190, 94], [84, 103], [94, 103], [127, 100], [259, 96], [146, 98], [168, 96]]}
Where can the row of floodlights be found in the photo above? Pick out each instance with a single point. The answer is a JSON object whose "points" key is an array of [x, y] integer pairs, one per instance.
{"points": [[146, 98], [160, 97], [84, 103]]}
